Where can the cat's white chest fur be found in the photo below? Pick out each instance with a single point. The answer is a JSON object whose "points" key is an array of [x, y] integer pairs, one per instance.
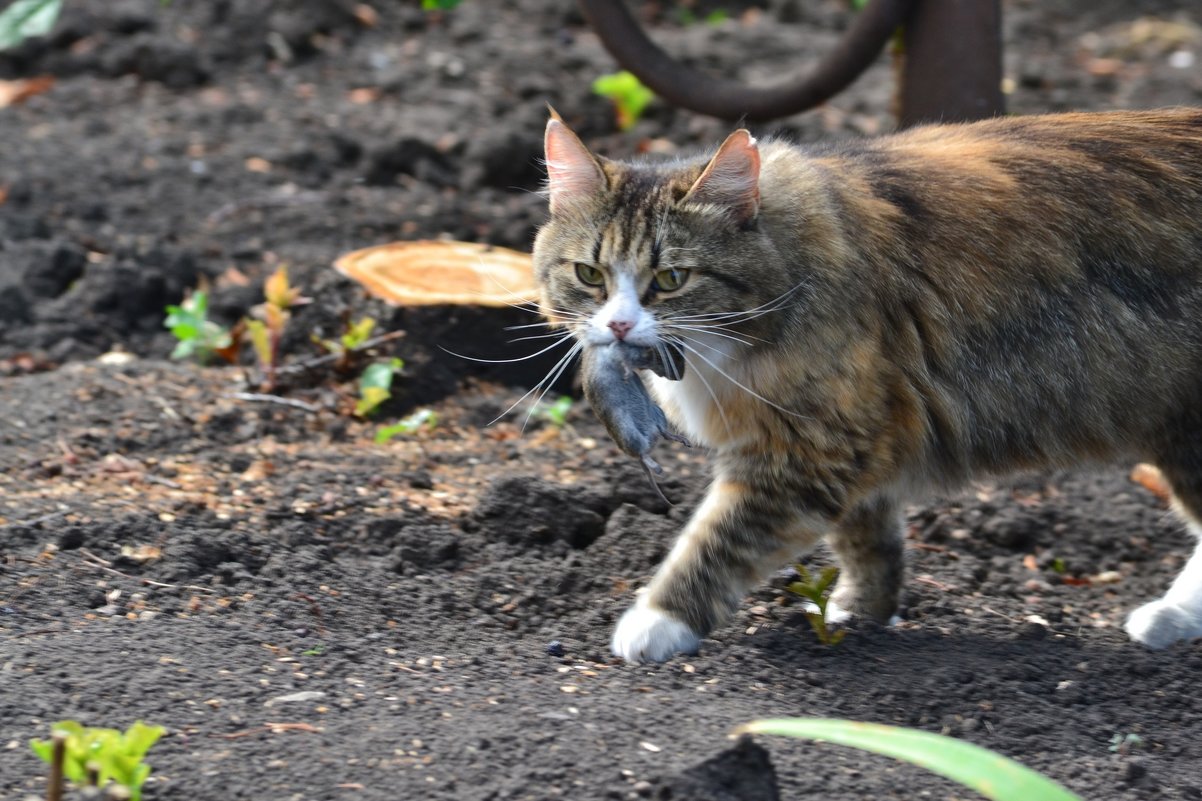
{"points": [[692, 403]]}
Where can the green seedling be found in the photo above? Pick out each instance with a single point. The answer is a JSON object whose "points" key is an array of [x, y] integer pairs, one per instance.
{"points": [[422, 418], [687, 16], [98, 757], [555, 413], [630, 97], [266, 327], [992, 775], [196, 334], [316, 650], [439, 5], [27, 18], [375, 385], [357, 333], [817, 591], [1059, 566], [1125, 743]]}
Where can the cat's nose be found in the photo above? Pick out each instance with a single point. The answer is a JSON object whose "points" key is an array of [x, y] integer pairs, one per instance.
{"points": [[620, 328]]}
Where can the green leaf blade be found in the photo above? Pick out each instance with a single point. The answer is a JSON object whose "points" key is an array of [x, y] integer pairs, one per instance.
{"points": [[992, 775], [27, 18]]}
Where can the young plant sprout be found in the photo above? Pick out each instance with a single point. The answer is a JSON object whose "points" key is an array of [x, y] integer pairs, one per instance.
{"points": [[630, 97], [422, 418], [197, 335], [97, 757], [817, 591]]}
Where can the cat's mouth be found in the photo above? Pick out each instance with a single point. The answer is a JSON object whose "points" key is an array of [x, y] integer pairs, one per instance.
{"points": [[664, 359]]}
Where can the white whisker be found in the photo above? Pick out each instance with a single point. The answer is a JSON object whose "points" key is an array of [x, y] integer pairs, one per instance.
{"points": [[560, 341], [562, 361], [553, 376], [681, 341]]}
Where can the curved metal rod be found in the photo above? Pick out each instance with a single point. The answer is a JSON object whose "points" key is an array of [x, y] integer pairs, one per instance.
{"points": [[694, 90]]}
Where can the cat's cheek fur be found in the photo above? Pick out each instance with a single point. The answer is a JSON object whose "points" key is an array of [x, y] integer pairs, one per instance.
{"points": [[647, 634]]}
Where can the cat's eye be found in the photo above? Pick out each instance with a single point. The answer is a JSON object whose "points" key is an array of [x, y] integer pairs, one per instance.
{"points": [[589, 274], [669, 280]]}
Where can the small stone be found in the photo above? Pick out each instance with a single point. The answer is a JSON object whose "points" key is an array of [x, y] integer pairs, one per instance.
{"points": [[643, 788], [555, 648], [294, 698]]}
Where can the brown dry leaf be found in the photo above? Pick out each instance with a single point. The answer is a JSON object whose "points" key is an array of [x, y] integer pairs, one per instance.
{"points": [[21, 89], [367, 16], [364, 95], [3, 194], [1150, 478], [433, 273], [142, 553]]}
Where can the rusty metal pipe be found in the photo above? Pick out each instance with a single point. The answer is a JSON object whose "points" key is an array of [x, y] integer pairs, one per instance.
{"points": [[684, 86], [953, 62]]}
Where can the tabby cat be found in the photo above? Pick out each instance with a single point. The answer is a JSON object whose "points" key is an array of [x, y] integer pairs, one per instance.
{"points": [[865, 322]]}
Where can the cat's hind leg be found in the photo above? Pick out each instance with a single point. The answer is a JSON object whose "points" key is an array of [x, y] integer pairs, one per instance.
{"points": [[1177, 615], [868, 543]]}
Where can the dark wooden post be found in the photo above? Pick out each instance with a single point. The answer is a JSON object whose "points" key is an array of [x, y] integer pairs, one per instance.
{"points": [[953, 62]]}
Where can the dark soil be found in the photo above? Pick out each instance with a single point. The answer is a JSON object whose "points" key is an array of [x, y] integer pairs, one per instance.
{"points": [[443, 603]]}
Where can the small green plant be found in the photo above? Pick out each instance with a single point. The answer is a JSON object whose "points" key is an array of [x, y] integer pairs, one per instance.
{"points": [[26, 18], [97, 757], [196, 334], [817, 591], [270, 319], [687, 16], [422, 418], [316, 650], [992, 775], [1125, 743], [630, 97], [556, 412], [375, 385], [439, 5]]}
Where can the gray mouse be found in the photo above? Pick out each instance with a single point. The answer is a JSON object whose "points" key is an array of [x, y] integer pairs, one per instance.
{"points": [[621, 401]]}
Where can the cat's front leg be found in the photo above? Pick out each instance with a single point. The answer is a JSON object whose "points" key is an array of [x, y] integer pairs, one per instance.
{"points": [[739, 533]]}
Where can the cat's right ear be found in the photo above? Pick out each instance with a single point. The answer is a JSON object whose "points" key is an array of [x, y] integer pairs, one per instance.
{"points": [[573, 174], [731, 181]]}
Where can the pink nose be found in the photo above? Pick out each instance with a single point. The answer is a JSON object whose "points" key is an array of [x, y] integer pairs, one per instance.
{"points": [[620, 328]]}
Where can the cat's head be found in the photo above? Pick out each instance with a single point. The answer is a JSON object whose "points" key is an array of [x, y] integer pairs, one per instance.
{"points": [[651, 253]]}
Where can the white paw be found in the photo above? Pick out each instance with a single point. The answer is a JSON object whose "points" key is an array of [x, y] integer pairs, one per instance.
{"points": [[645, 634], [835, 614], [1160, 623]]}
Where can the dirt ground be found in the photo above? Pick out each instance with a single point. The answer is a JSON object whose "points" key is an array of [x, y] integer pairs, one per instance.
{"points": [[315, 616]]}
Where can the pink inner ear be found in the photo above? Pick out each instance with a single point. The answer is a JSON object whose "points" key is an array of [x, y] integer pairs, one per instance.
{"points": [[732, 178], [573, 174]]}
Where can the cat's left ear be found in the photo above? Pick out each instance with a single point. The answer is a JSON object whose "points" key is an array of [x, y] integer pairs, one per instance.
{"points": [[732, 178], [573, 173]]}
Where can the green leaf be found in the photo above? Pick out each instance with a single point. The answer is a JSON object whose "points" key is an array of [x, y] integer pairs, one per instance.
{"points": [[358, 333], [44, 749], [992, 775], [439, 5], [628, 94], [556, 413], [140, 737], [379, 375], [422, 418], [826, 578], [26, 18], [369, 400]]}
